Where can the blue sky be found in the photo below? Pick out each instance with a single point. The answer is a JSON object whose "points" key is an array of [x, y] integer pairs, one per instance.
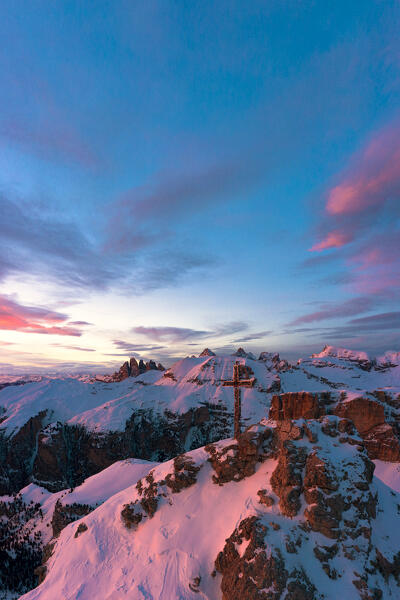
{"points": [[177, 175]]}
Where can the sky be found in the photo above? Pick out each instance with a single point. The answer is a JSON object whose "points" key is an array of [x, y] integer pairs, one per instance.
{"points": [[175, 175]]}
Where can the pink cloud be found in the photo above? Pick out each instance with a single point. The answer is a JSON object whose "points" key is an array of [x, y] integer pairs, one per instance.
{"points": [[31, 319], [373, 178], [334, 239]]}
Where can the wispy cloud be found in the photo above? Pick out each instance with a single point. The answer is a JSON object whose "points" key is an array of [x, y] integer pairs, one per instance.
{"points": [[354, 306], [132, 347], [259, 335], [360, 225], [140, 214], [170, 334], [80, 348], [183, 334]]}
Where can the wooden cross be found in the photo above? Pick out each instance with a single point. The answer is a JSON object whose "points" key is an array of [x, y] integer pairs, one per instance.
{"points": [[237, 383]]}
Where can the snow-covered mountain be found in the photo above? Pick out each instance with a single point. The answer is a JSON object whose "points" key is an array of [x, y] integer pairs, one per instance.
{"points": [[278, 515], [71, 444], [57, 432]]}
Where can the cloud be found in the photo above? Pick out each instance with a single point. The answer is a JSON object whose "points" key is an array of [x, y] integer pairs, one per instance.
{"points": [[334, 239], [354, 306], [32, 319], [252, 336], [80, 348], [182, 334], [360, 226], [170, 334], [79, 323], [132, 347], [52, 249], [370, 188], [389, 320], [141, 213], [373, 179]]}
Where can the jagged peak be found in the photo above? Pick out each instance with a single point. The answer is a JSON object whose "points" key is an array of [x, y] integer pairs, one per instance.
{"points": [[241, 353], [207, 352]]}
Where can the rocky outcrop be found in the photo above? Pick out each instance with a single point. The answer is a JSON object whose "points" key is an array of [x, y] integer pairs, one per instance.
{"points": [[364, 413], [286, 480], [259, 570], [151, 492], [238, 460], [368, 417], [296, 405], [207, 352], [134, 368], [332, 494]]}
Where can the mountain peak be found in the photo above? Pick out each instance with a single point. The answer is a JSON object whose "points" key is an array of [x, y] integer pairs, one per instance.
{"points": [[207, 352]]}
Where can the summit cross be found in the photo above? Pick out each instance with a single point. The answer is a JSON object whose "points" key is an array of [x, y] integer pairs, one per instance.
{"points": [[237, 383]]}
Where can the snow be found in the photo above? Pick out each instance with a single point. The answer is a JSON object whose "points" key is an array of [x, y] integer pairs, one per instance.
{"points": [[165, 553], [388, 473], [342, 353], [93, 491], [103, 406], [158, 560]]}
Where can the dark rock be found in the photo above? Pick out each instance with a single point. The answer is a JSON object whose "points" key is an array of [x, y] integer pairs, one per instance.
{"points": [[82, 527]]}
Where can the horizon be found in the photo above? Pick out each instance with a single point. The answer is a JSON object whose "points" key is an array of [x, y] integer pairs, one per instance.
{"points": [[175, 177]]}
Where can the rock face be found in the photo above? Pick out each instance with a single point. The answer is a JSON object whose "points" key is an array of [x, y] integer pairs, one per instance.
{"points": [[380, 437], [332, 495], [296, 405], [133, 369], [364, 413], [67, 454], [368, 417], [17, 455]]}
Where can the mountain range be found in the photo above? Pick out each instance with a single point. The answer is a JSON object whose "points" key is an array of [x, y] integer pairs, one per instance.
{"points": [[131, 485]]}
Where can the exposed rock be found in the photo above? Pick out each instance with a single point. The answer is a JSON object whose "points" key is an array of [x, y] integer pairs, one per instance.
{"points": [[286, 480], [368, 417], [207, 352], [133, 369], [364, 413], [265, 498], [184, 475], [238, 460], [382, 443], [18, 453], [295, 405], [80, 529], [67, 454], [260, 570], [241, 353]]}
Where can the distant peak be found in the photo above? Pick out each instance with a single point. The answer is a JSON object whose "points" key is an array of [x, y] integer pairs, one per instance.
{"points": [[207, 352], [241, 353], [345, 353]]}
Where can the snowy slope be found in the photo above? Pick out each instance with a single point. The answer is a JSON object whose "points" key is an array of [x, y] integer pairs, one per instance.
{"points": [[105, 406], [94, 491], [172, 555]]}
